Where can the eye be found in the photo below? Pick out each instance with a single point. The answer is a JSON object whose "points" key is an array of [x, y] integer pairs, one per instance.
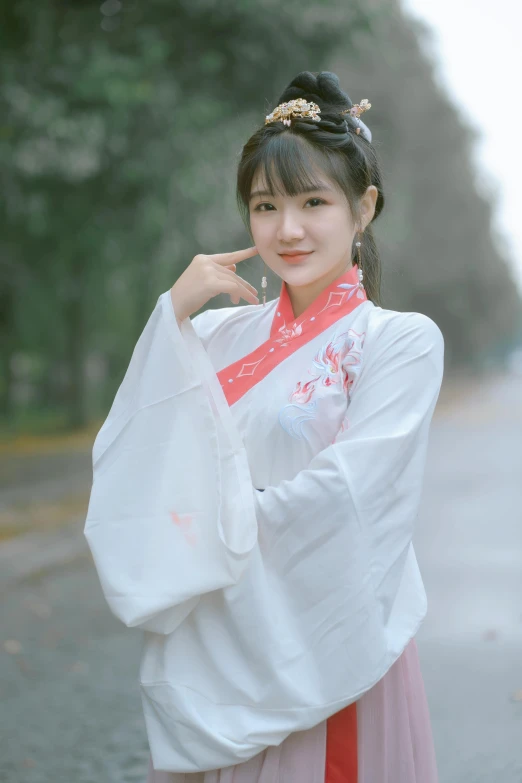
{"points": [[266, 204]]}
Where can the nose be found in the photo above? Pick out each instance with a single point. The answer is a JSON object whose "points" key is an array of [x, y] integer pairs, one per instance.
{"points": [[289, 228]]}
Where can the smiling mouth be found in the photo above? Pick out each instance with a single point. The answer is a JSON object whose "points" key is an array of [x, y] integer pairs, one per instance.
{"points": [[295, 257], [296, 253]]}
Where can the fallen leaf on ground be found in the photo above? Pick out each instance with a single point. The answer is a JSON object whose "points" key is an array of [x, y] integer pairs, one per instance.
{"points": [[12, 646]]}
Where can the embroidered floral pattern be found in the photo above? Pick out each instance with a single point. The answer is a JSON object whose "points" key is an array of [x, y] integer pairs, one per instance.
{"points": [[336, 363], [335, 299], [352, 288], [288, 334], [303, 394]]}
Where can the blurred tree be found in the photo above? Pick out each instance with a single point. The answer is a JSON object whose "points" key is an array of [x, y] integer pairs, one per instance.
{"points": [[107, 109], [121, 126], [440, 253]]}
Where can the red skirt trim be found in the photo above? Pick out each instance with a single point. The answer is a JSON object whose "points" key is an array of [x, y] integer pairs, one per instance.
{"points": [[341, 746]]}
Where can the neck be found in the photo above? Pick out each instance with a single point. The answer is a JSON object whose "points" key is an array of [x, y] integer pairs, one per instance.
{"points": [[302, 296]]}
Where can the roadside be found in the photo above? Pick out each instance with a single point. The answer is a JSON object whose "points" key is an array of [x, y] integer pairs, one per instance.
{"points": [[45, 483]]}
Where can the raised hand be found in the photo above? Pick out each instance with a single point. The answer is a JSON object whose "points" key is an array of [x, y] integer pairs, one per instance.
{"points": [[209, 275]]}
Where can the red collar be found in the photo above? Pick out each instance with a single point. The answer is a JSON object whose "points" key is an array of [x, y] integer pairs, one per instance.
{"points": [[339, 298], [287, 333]]}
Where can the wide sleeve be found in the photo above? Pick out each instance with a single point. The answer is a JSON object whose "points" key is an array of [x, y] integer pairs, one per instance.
{"points": [[165, 471], [356, 503]]}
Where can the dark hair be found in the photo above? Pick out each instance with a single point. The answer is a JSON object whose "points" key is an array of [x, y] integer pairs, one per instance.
{"points": [[333, 144]]}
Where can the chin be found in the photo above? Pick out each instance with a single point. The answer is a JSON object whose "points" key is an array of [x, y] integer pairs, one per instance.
{"points": [[300, 274]]}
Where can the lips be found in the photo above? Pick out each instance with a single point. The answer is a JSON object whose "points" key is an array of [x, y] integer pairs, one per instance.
{"points": [[295, 258]]}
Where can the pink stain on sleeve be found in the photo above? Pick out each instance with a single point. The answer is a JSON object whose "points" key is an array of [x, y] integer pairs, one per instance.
{"points": [[184, 523]]}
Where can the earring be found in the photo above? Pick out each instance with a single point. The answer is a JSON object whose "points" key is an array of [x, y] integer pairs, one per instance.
{"points": [[360, 274], [264, 284]]}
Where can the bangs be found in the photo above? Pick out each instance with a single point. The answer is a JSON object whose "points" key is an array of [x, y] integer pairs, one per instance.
{"points": [[287, 165]]}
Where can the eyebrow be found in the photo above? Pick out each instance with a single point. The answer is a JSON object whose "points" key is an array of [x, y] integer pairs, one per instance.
{"points": [[320, 189]]}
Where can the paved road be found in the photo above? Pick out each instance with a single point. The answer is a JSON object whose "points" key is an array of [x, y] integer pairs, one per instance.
{"points": [[469, 545], [69, 705]]}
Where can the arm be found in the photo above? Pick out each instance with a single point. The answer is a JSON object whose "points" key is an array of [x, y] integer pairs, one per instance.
{"points": [[358, 499], [156, 523], [190, 460]]}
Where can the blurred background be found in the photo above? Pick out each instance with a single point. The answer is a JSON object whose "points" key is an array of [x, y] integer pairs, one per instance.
{"points": [[121, 124]]}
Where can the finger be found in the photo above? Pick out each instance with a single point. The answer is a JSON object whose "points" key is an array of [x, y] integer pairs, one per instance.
{"points": [[229, 286], [248, 288], [237, 277], [245, 289], [227, 259]]}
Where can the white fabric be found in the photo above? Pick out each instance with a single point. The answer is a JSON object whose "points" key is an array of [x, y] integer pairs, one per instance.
{"points": [[300, 758], [394, 740], [265, 612]]}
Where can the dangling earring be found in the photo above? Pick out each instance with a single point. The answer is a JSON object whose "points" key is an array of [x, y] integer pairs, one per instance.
{"points": [[264, 283], [360, 274]]}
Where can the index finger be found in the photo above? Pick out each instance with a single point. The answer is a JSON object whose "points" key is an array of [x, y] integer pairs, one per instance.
{"points": [[226, 259]]}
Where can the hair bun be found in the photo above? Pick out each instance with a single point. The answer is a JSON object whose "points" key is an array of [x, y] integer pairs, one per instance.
{"points": [[323, 89]]}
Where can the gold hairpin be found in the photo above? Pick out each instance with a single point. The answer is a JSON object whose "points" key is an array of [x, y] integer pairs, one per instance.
{"points": [[301, 109], [297, 109]]}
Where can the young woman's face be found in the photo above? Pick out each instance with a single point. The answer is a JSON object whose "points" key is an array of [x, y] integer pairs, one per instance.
{"points": [[318, 222]]}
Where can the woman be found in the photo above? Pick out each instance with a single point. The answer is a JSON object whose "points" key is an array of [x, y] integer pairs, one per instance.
{"points": [[257, 480]]}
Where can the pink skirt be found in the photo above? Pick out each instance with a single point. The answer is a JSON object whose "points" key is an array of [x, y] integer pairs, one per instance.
{"points": [[383, 737]]}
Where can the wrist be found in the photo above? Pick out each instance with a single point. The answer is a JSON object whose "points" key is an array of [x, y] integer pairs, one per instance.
{"points": [[178, 312]]}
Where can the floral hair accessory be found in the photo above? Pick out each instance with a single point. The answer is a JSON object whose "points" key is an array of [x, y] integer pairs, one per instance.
{"points": [[301, 109], [297, 109], [356, 110]]}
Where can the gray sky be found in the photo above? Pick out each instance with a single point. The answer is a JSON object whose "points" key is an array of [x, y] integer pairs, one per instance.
{"points": [[477, 53]]}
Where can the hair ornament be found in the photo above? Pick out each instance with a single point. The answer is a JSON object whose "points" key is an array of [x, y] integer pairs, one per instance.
{"points": [[298, 108], [356, 110]]}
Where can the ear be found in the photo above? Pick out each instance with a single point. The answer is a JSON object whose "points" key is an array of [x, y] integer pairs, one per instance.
{"points": [[367, 205]]}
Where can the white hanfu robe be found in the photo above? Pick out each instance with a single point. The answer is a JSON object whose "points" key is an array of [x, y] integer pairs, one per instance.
{"points": [[256, 486]]}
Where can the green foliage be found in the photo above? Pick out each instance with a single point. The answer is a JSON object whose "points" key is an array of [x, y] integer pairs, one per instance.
{"points": [[120, 128]]}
